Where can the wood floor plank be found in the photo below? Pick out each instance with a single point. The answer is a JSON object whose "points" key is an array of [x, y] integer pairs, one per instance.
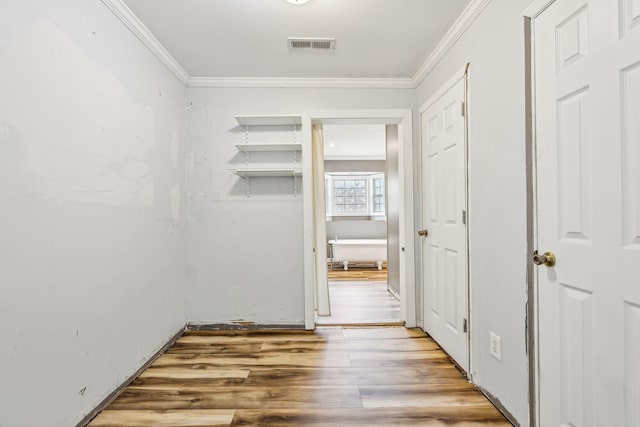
{"points": [[145, 418], [469, 416], [239, 361], [214, 347], [382, 333], [420, 395], [158, 397], [382, 345], [204, 337], [193, 373], [353, 376]]}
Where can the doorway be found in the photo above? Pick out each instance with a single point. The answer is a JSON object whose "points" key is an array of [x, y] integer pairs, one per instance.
{"points": [[316, 249], [361, 186]]}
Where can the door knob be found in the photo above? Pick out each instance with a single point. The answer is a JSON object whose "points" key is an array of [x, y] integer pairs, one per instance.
{"points": [[423, 233], [546, 258]]}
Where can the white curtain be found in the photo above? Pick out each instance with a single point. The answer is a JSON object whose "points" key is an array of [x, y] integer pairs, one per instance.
{"points": [[323, 306]]}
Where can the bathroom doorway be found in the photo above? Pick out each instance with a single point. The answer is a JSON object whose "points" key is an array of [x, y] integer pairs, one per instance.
{"points": [[362, 224]]}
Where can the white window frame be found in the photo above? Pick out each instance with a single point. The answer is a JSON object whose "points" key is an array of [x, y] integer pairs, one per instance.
{"points": [[373, 179], [369, 177]]}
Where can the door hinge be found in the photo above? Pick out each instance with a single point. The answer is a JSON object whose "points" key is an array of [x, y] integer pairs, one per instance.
{"points": [[464, 217], [462, 109], [464, 326]]}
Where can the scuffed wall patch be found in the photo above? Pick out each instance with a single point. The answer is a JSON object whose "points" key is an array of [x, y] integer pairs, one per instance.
{"points": [[82, 137]]}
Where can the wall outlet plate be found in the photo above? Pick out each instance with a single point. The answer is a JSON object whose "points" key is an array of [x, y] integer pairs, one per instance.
{"points": [[495, 346]]}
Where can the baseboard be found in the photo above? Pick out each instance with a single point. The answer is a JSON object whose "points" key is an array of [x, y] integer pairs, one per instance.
{"points": [[499, 406], [238, 326], [393, 292], [112, 396]]}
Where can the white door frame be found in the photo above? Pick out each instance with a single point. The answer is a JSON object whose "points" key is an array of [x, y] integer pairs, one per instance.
{"points": [[533, 11], [530, 15], [403, 118], [462, 73]]}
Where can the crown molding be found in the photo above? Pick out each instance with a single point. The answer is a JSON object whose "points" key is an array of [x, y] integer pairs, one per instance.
{"points": [[293, 82], [464, 21], [536, 8], [131, 21]]}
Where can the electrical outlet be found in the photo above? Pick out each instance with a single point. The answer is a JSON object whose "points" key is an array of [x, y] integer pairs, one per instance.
{"points": [[495, 346]]}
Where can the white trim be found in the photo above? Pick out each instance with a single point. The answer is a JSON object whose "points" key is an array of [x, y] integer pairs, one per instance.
{"points": [[293, 82], [533, 12], [454, 33], [407, 235], [131, 21], [455, 78], [536, 8]]}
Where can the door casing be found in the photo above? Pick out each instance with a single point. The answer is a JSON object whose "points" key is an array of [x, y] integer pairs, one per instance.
{"points": [[403, 118]]}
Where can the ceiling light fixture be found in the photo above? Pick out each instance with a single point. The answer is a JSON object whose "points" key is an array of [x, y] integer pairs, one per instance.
{"points": [[297, 1]]}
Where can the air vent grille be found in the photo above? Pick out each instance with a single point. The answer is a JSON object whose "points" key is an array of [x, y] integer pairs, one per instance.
{"points": [[309, 43]]}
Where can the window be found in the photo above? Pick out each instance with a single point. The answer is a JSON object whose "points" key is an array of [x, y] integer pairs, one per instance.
{"points": [[378, 195], [355, 194], [350, 195]]}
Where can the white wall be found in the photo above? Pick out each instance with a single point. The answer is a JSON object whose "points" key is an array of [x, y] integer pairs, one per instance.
{"points": [[246, 254], [494, 45], [92, 252]]}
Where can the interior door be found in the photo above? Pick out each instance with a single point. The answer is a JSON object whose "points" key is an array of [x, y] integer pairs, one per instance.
{"points": [[587, 105], [444, 231]]}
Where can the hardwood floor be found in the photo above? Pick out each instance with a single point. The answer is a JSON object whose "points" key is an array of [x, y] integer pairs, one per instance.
{"points": [[361, 303], [369, 274], [359, 296], [335, 376]]}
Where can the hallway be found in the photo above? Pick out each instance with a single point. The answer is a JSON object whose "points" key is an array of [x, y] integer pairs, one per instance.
{"points": [[329, 377]]}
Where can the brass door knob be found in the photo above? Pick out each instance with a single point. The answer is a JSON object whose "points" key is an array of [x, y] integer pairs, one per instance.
{"points": [[546, 258], [423, 233]]}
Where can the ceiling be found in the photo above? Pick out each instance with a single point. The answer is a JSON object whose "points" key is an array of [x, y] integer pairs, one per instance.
{"points": [[353, 142], [380, 39]]}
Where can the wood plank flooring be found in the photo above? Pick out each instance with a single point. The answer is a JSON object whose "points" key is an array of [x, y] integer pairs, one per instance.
{"points": [[333, 376], [369, 274], [361, 303]]}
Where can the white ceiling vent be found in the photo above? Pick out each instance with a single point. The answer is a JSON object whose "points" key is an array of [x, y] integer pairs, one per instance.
{"points": [[310, 43]]}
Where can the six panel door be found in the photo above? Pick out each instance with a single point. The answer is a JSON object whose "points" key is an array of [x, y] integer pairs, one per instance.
{"points": [[587, 104]]}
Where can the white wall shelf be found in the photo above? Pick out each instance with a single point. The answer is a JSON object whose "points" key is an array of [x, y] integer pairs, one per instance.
{"points": [[267, 172], [295, 147], [279, 120], [270, 147]]}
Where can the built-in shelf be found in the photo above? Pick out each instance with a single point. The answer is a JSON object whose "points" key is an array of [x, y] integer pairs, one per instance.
{"points": [[279, 120], [270, 147], [249, 172], [266, 172]]}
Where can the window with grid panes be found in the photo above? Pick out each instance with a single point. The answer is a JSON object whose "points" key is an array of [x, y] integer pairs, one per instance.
{"points": [[350, 195], [378, 195]]}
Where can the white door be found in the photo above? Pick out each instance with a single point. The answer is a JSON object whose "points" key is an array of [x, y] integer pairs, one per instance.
{"points": [[587, 111], [444, 248]]}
